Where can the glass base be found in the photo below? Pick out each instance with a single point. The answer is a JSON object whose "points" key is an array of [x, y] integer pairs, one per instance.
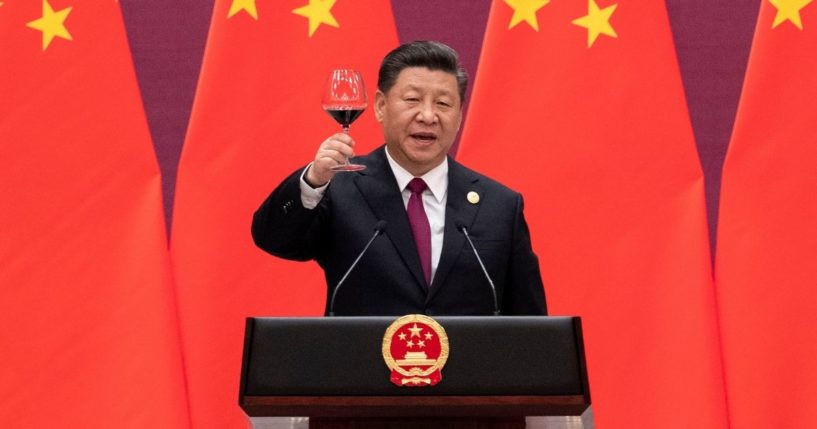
{"points": [[348, 167]]}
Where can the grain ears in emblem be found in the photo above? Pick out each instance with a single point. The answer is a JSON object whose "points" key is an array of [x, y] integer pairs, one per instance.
{"points": [[415, 348]]}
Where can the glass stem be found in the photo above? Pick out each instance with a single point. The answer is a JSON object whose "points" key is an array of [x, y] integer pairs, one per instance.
{"points": [[346, 131]]}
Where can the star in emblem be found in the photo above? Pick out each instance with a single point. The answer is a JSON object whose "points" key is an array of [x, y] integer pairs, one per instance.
{"points": [[410, 344], [421, 343], [415, 331], [402, 336], [429, 336]]}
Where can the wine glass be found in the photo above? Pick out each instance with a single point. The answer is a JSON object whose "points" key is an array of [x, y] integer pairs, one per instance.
{"points": [[344, 99]]}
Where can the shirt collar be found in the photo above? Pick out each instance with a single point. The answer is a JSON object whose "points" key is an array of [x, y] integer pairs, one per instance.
{"points": [[436, 178]]}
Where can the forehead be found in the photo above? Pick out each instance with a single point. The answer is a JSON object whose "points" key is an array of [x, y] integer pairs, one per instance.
{"points": [[423, 79]]}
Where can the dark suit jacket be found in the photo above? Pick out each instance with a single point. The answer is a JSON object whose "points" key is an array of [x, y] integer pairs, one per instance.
{"points": [[389, 278]]}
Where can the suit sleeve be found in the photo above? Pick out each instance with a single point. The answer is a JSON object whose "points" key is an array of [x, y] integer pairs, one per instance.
{"points": [[524, 293], [282, 226]]}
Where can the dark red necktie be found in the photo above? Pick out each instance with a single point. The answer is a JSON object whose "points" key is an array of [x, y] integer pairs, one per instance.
{"points": [[420, 227]]}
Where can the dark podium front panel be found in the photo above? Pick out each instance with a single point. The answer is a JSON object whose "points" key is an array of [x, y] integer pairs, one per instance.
{"points": [[334, 367]]}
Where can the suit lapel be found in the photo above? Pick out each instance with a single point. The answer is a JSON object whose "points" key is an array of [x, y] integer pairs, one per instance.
{"points": [[458, 211], [379, 188]]}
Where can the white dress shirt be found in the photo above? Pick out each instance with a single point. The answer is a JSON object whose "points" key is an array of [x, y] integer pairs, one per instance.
{"points": [[434, 198]]}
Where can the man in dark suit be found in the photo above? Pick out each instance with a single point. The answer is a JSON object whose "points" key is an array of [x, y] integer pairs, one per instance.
{"points": [[422, 263]]}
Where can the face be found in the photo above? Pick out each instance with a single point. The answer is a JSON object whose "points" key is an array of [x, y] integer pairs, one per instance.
{"points": [[421, 115]]}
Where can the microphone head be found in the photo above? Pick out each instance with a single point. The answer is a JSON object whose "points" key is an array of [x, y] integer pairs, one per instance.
{"points": [[461, 227], [380, 226]]}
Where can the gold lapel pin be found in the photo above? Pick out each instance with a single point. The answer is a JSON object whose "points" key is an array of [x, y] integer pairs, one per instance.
{"points": [[472, 197]]}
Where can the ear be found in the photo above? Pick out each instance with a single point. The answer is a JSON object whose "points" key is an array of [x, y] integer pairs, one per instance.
{"points": [[379, 105]]}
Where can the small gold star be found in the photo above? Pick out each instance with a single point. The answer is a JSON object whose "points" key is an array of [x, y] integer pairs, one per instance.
{"points": [[52, 24], [597, 21], [421, 343], [318, 12], [789, 10], [429, 336], [525, 10], [245, 5], [402, 336], [410, 344]]}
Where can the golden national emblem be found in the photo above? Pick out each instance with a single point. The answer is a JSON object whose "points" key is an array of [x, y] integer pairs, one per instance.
{"points": [[415, 348]]}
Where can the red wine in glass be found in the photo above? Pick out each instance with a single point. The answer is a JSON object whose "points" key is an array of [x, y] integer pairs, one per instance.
{"points": [[344, 117], [345, 100]]}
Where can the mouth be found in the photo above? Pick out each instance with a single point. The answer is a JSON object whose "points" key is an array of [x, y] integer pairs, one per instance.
{"points": [[424, 137]]}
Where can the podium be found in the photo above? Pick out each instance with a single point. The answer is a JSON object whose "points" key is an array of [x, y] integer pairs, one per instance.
{"points": [[501, 372]]}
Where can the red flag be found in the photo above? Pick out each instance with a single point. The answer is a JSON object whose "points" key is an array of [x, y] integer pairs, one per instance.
{"points": [[89, 336], [767, 235], [579, 106], [256, 118]]}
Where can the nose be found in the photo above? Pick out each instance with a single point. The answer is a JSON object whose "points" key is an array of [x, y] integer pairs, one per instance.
{"points": [[427, 114]]}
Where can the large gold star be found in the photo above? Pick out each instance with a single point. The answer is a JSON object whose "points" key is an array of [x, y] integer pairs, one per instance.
{"points": [[52, 24], [525, 10], [415, 331], [319, 12], [788, 10], [245, 5], [597, 21]]}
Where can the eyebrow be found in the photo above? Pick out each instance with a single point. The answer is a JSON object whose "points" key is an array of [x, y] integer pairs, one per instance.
{"points": [[417, 88]]}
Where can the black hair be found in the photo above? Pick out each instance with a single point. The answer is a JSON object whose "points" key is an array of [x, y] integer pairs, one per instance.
{"points": [[421, 53]]}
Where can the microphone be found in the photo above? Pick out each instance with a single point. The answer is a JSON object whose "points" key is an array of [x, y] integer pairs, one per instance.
{"points": [[378, 228], [464, 231]]}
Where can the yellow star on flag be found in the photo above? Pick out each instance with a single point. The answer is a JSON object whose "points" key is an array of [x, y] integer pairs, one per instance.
{"points": [[525, 10], [245, 5], [318, 12], [788, 10], [52, 24], [597, 21]]}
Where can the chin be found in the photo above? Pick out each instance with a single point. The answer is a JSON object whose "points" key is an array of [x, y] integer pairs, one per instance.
{"points": [[426, 161], [423, 156]]}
